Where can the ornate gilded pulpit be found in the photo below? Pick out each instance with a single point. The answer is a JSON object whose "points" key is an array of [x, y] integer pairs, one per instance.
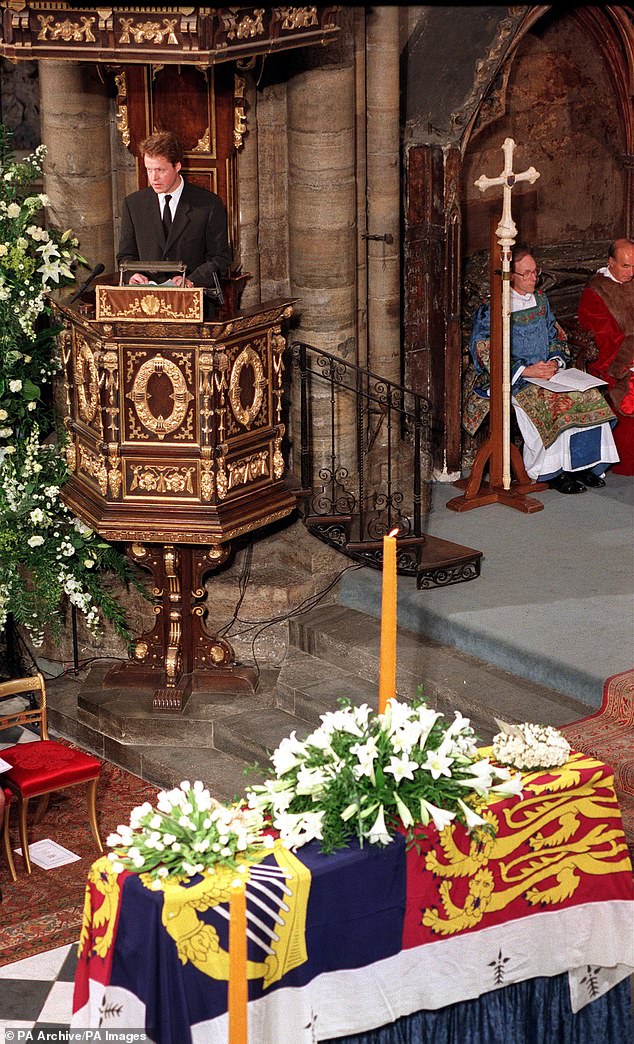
{"points": [[175, 448]]}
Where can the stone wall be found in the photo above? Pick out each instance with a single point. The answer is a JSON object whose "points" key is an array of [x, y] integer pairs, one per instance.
{"points": [[20, 103], [561, 111]]}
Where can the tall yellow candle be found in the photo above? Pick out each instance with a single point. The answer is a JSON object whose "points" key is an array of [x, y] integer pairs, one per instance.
{"points": [[238, 985], [387, 669]]}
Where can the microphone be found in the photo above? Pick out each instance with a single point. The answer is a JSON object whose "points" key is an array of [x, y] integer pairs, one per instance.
{"points": [[97, 270]]}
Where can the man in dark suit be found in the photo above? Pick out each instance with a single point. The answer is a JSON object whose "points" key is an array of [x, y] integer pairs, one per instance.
{"points": [[173, 220]]}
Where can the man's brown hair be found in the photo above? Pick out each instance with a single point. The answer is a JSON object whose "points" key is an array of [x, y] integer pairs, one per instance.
{"points": [[162, 143]]}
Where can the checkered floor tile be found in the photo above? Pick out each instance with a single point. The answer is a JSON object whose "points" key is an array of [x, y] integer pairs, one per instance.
{"points": [[38, 992]]}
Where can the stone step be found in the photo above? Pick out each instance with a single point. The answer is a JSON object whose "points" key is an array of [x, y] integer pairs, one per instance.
{"points": [[216, 737], [333, 653], [308, 687], [448, 679]]}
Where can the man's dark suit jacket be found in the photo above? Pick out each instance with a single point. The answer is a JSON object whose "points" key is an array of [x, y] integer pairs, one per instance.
{"points": [[198, 236]]}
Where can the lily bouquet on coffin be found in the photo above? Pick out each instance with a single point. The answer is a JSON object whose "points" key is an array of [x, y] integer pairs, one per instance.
{"points": [[360, 775]]}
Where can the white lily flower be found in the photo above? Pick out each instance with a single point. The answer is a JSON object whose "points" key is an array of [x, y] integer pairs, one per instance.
{"points": [[472, 818], [437, 763], [480, 777], [509, 787], [407, 818], [401, 768], [427, 719], [296, 829], [311, 780], [395, 716], [440, 816], [286, 756], [366, 753], [378, 833]]}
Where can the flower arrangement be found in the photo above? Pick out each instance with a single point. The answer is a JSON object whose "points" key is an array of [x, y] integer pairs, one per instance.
{"points": [[360, 775], [45, 553], [186, 833], [33, 260], [529, 746]]}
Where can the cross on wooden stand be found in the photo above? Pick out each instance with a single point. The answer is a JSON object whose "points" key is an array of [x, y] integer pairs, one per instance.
{"points": [[502, 456]]}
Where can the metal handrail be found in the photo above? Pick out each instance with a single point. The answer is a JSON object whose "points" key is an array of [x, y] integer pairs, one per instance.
{"points": [[389, 453]]}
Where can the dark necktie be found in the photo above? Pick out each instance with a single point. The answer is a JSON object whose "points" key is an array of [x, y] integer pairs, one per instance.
{"points": [[167, 217]]}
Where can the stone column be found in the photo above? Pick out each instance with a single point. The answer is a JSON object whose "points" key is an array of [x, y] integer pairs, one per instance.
{"points": [[249, 196], [383, 180], [321, 206], [322, 257], [75, 121]]}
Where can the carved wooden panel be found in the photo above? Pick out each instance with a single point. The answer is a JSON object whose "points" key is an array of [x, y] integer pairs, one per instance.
{"points": [[175, 433]]}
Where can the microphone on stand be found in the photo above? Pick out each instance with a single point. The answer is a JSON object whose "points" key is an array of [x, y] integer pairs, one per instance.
{"points": [[97, 270]]}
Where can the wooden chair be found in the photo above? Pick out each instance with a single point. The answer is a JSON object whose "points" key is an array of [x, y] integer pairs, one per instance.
{"points": [[6, 841], [41, 767]]}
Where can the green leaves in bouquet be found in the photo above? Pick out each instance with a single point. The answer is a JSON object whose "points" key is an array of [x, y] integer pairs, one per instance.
{"points": [[45, 552]]}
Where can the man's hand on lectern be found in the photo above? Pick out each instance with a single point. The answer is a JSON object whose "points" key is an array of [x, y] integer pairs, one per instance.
{"points": [[138, 278], [181, 281]]}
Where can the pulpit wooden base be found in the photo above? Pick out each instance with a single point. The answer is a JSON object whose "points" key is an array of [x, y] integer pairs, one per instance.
{"points": [[179, 655], [172, 699]]}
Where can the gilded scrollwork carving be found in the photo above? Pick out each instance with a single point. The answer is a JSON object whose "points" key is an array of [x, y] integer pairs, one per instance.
{"points": [[173, 654], [249, 469], [94, 466], [180, 395], [121, 115], [205, 390], [239, 111], [204, 143], [278, 459], [247, 359], [206, 475], [87, 383], [246, 28], [148, 32], [221, 384], [71, 456], [222, 483], [65, 345], [278, 344], [66, 30], [169, 305], [298, 17], [161, 479], [115, 471], [110, 363]]}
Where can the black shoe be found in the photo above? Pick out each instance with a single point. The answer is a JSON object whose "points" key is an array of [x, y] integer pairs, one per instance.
{"points": [[567, 483], [590, 479]]}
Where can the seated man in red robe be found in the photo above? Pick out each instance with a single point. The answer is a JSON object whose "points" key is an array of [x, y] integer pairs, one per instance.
{"points": [[607, 309]]}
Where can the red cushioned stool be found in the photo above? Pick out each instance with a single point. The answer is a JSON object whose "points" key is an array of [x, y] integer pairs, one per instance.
{"points": [[43, 766]]}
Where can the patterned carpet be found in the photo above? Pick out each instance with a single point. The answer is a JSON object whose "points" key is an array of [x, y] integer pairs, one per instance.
{"points": [[609, 735], [45, 910]]}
